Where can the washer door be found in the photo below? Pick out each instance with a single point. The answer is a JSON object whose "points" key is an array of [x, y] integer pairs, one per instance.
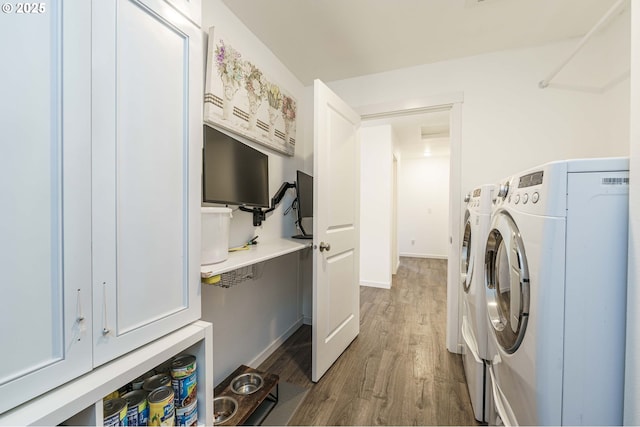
{"points": [[506, 282], [466, 256]]}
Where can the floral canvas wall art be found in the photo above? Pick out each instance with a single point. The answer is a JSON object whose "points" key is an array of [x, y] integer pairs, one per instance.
{"points": [[240, 98]]}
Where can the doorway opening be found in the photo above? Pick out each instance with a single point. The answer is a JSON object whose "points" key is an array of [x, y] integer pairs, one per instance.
{"points": [[451, 103], [419, 169]]}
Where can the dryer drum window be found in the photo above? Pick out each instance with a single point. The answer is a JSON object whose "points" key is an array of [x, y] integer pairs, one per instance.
{"points": [[506, 283], [466, 264]]}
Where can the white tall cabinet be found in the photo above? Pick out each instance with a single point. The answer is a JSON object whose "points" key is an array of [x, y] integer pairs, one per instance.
{"points": [[100, 153], [45, 189], [146, 162]]}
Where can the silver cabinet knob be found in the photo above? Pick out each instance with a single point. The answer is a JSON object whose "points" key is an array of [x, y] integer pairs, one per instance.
{"points": [[325, 247]]}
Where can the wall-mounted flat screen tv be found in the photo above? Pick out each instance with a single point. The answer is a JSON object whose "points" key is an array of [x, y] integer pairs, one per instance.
{"points": [[232, 172]]}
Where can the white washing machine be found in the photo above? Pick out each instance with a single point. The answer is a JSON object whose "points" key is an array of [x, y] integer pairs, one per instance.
{"points": [[477, 220], [556, 278]]}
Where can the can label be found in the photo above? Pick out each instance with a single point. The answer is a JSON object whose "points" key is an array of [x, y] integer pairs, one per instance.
{"points": [[162, 412], [185, 390], [187, 416], [118, 418], [138, 414], [183, 366]]}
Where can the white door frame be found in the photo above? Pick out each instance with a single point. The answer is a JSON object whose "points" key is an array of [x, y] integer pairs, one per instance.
{"points": [[453, 103], [395, 249]]}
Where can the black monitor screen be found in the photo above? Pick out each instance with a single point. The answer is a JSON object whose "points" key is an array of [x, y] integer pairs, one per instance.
{"points": [[304, 189], [232, 172]]}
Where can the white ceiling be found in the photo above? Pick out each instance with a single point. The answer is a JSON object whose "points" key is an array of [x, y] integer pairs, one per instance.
{"points": [[338, 39], [418, 134]]}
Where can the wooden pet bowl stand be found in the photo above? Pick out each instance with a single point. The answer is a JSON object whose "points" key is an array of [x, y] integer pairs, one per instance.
{"points": [[252, 408]]}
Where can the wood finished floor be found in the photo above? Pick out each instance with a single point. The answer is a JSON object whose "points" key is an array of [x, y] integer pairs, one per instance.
{"points": [[397, 371]]}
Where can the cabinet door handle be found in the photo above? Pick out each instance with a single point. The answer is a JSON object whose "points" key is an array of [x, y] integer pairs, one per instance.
{"points": [[105, 328], [80, 328], [79, 315]]}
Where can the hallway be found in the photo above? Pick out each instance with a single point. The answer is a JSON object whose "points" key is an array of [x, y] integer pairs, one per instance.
{"points": [[397, 371]]}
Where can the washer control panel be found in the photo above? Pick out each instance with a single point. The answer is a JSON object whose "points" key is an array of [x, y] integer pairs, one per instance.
{"points": [[531, 179], [524, 191], [524, 197]]}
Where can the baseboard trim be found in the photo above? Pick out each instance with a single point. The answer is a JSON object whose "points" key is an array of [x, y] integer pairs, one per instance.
{"points": [[410, 255], [307, 320], [264, 354], [382, 285]]}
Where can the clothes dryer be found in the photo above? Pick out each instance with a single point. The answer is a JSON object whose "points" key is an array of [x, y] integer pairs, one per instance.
{"points": [[555, 284], [477, 220]]}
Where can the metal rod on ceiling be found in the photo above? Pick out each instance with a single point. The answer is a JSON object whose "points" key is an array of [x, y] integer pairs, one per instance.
{"points": [[605, 18]]}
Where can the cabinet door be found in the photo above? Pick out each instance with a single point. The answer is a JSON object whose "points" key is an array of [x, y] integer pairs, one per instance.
{"points": [[45, 218], [147, 139], [192, 9]]}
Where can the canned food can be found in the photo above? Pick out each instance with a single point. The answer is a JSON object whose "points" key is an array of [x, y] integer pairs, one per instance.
{"points": [[114, 412], [188, 415], [112, 395], [156, 381], [138, 408], [138, 382], [161, 407], [185, 390], [164, 367], [124, 389], [183, 366]]}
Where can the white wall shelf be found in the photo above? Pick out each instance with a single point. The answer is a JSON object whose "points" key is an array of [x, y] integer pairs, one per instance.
{"points": [[80, 401], [263, 251]]}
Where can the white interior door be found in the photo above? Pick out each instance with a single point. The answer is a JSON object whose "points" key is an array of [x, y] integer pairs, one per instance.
{"points": [[336, 261]]}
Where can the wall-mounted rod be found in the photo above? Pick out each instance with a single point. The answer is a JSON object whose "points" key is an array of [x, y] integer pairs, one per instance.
{"points": [[605, 18]]}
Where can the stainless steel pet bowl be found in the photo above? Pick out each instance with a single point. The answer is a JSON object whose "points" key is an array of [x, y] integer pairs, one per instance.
{"points": [[224, 408], [247, 383]]}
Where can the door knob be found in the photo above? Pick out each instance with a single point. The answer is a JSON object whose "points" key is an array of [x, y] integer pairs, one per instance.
{"points": [[325, 247]]}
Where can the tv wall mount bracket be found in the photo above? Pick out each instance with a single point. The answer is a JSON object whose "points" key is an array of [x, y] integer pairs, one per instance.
{"points": [[260, 214]]}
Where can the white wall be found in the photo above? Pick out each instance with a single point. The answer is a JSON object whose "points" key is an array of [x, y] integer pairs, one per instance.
{"points": [[252, 318], [423, 208], [281, 167], [632, 366], [376, 206], [508, 123]]}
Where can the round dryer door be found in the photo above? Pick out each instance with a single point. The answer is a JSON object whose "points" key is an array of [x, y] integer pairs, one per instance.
{"points": [[506, 282], [466, 257]]}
